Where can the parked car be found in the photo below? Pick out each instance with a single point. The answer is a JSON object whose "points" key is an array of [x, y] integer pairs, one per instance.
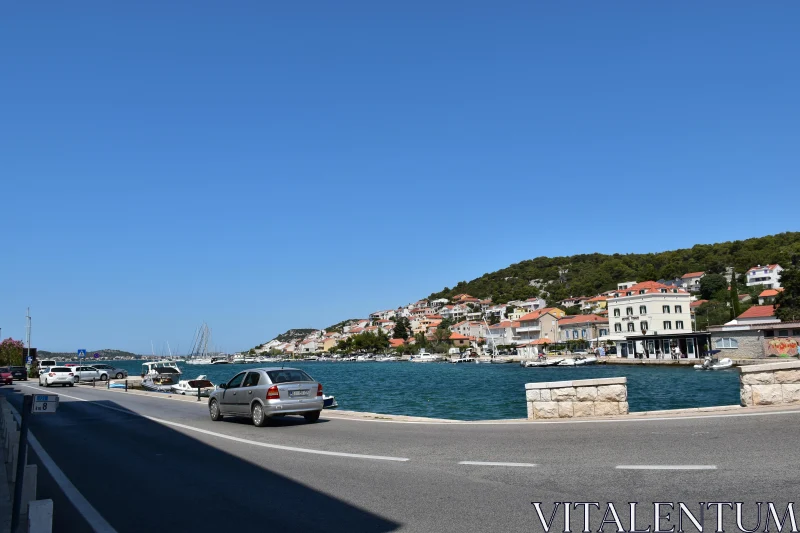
{"points": [[19, 373], [87, 373], [263, 393], [110, 371], [47, 363], [5, 376], [57, 375]]}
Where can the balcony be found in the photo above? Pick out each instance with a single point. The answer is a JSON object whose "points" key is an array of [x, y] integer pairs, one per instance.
{"points": [[527, 329]]}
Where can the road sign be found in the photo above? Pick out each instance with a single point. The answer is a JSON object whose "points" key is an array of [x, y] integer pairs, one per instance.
{"points": [[28, 360], [97, 355], [44, 403], [82, 352]]}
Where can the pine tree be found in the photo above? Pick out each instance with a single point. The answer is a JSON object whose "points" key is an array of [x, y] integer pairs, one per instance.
{"points": [[401, 328], [735, 306], [788, 300]]}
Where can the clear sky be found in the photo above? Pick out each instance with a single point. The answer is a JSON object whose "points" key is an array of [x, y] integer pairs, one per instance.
{"points": [[267, 165]]}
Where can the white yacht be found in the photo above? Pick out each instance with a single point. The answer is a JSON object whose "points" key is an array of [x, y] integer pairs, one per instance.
{"points": [[191, 386], [160, 376], [426, 357]]}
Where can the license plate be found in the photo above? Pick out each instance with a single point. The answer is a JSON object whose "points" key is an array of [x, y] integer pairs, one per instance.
{"points": [[294, 393]]}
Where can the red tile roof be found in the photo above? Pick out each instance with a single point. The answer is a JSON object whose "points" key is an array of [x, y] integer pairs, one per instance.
{"points": [[581, 319], [768, 267], [535, 315], [697, 303], [396, 342], [458, 337], [759, 311], [692, 275], [649, 287], [599, 298], [543, 340], [767, 293]]}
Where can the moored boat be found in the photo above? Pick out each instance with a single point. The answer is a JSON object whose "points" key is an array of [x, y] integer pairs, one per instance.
{"points": [[191, 386], [714, 364], [426, 357]]}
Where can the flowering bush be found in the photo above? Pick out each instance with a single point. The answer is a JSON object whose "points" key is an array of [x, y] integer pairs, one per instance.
{"points": [[11, 352]]}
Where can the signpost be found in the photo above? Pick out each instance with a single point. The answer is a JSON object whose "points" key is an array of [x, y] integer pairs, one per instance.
{"points": [[82, 353], [37, 403]]}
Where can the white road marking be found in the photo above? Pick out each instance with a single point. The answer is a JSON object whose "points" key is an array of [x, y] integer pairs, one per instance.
{"points": [[666, 467], [495, 463], [241, 440], [81, 504]]}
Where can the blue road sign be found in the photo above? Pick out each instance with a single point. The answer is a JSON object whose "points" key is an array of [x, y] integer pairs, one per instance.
{"points": [[29, 360], [96, 356], [82, 352]]}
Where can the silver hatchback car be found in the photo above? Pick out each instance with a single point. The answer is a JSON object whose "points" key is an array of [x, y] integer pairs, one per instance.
{"points": [[263, 393]]}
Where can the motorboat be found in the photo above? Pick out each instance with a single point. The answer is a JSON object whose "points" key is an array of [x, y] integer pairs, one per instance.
{"points": [[219, 361], [160, 376], [578, 361], [388, 358], [426, 357], [199, 361], [329, 402], [540, 362], [250, 360], [238, 359], [463, 359], [365, 358], [192, 386], [714, 364]]}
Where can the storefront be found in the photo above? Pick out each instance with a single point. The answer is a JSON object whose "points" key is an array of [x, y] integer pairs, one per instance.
{"points": [[679, 345]]}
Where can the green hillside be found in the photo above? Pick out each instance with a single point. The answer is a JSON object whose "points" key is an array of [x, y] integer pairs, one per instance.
{"points": [[104, 354], [557, 278]]}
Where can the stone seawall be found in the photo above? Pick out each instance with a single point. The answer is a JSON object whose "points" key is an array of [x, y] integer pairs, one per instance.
{"points": [[569, 399], [770, 384]]}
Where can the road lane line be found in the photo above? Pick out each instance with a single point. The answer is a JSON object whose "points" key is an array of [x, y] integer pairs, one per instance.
{"points": [[241, 440], [666, 467], [495, 463], [81, 504]]}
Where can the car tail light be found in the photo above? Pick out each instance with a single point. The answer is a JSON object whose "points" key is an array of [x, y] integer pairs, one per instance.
{"points": [[319, 389], [70, 373], [51, 374], [273, 394]]}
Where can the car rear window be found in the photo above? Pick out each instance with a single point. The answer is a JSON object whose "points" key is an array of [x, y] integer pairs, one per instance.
{"points": [[4, 369], [284, 376], [60, 369], [17, 368]]}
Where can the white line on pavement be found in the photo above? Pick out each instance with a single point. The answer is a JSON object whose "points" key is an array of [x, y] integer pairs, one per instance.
{"points": [[238, 439], [494, 463], [81, 504], [666, 467]]}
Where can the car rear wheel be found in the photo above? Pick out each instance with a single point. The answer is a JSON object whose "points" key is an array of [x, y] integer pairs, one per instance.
{"points": [[213, 410], [119, 375], [104, 377], [259, 419], [71, 384], [311, 417]]}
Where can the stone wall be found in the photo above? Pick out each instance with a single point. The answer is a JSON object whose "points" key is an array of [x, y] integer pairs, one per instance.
{"points": [[750, 344], [568, 399], [770, 384]]}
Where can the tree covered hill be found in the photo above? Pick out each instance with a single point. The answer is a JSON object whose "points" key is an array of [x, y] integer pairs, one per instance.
{"points": [[104, 354], [293, 334], [557, 278]]}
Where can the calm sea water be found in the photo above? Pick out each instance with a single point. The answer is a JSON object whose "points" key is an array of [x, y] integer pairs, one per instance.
{"points": [[483, 392]]}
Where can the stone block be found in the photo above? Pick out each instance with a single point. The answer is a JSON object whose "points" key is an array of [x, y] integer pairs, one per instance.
{"points": [[612, 393], [562, 394], [606, 408], [533, 395], [586, 394], [545, 409], [758, 378], [583, 409], [770, 367], [40, 516], [623, 408], [545, 395], [787, 376], [565, 409], [790, 392], [530, 410], [767, 394], [746, 395]]}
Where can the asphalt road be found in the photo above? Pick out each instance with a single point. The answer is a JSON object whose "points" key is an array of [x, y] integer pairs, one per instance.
{"points": [[152, 464]]}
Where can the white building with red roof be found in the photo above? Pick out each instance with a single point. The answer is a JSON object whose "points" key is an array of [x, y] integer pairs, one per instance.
{"points": [[768, 276], [691, 281]]}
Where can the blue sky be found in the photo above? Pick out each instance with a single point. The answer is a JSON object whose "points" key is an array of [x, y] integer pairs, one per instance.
{"points": [[267, 165]]}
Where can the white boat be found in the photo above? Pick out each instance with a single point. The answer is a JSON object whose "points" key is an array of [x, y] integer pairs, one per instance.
{"points": [[712, 364], [329, 402], [425, 357], [199, 361], [366, 358], [160, 376], [544, 362], [238, 360], [388, 358], [579, 361], [219, 361], [191, 386], [465, 359]]}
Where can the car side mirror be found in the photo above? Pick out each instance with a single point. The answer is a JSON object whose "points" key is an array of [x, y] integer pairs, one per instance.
{"points": [[223, 385]]}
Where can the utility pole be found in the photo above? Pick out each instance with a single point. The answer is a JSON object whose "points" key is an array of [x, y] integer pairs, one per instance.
{"points": [[28, 317]]}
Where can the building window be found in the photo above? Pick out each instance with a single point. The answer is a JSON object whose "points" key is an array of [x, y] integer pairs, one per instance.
{"points": [[643, 325], [631, 326], [583, 333], [796, 332], [616, 312], [726, 342], [678, 309], [603, 332], [783, 333], [769, 333], [667, 324], [665, 309], [629, 311], [574, 333], [617, 327], [642, 309], [679, 324]]}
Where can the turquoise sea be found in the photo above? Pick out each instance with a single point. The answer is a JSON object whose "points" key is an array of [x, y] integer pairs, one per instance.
{"points": [[483, 392]]}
